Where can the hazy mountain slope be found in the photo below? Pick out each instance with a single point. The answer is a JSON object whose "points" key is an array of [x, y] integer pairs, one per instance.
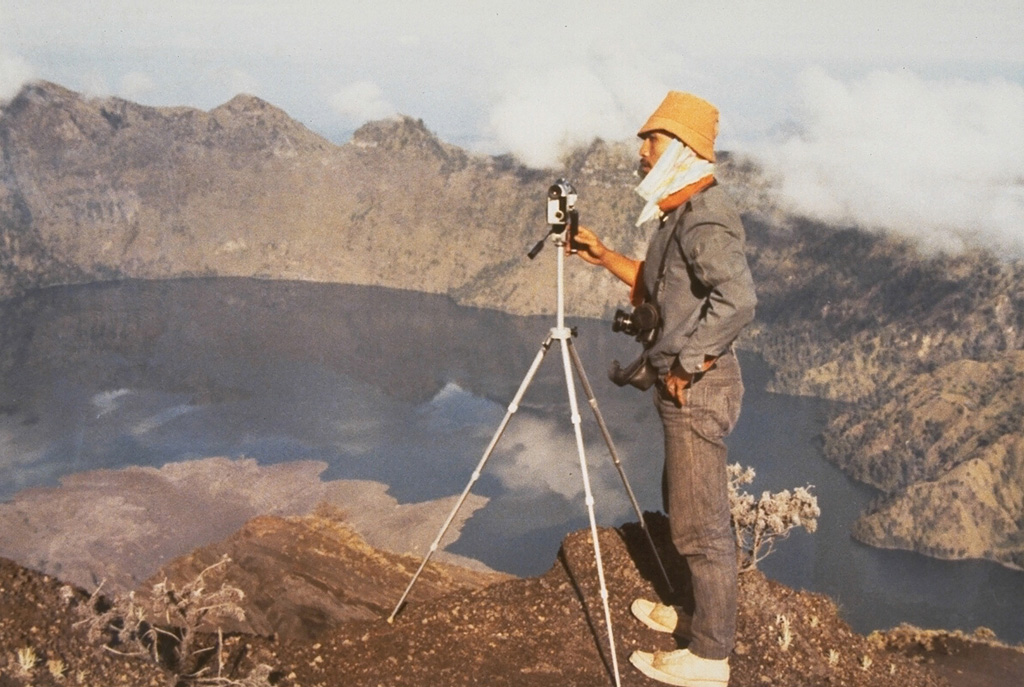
{"points": [[926, 350], [105, 188], [95, 189], [955, 479]]}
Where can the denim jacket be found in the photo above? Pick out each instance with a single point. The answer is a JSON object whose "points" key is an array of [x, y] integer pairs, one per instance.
{"points": [[696, 272]]}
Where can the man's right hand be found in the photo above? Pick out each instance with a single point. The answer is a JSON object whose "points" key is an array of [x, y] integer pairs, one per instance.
{"points": [[588, 246]]}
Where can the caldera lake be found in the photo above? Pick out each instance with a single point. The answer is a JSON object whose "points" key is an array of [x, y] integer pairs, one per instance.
{"points": [[407, 389]]}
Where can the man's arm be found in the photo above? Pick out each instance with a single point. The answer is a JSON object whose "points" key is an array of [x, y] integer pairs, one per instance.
{"points": [[719, 262], [591, 250]]}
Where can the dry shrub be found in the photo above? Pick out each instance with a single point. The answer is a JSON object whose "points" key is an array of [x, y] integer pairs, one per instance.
{"points": [[759, 523], [165, 627]]}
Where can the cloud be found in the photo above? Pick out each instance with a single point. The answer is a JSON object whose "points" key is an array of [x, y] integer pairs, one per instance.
{"points": [[108, 401], [941, 160], [539, 455], [14, 72], [361, 101], [136, 85], [94, 84], [535, 457], [234, 80], [541, 111], [160, 419]]}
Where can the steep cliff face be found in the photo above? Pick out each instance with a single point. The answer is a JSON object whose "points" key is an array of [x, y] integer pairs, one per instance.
{"points": [[106, 188], [953, 473], [101, 189]]}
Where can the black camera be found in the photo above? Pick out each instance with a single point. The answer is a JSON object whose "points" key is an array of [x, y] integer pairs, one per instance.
{"points": [[561, 205], [642, 323], [562, 215]]}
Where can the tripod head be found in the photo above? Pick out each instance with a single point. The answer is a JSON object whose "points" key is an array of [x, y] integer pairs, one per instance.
{"points": [[561, 215]]}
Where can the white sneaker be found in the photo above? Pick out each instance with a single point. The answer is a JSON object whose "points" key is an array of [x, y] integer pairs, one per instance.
{"points": [[682, 668], [670, 619]]}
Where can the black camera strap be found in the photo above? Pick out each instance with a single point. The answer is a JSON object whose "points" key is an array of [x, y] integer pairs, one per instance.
{"points": [[660, 279]]}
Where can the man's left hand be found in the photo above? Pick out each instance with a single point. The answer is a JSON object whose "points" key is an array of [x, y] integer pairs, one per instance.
{"points": [[678, 380]]}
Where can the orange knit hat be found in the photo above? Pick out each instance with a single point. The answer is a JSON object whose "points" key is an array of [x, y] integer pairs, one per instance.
{"points": [[690, 119]]}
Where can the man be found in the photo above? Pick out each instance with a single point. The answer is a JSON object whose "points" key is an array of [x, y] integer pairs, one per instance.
{"points": [[696, 273]]}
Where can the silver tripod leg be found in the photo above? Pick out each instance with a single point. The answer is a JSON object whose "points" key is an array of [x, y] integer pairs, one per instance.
{"points": [[592, 400], [512, 408], [564, 335]]}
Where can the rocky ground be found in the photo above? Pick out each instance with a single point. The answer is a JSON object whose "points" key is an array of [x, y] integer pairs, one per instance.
{"points": [[542, 631]]}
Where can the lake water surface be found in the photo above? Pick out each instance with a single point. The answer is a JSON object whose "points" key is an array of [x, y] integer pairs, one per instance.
{"points": [[407, 389]]}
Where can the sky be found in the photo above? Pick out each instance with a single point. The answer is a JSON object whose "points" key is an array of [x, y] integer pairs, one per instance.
{"points": [[904, 116]]}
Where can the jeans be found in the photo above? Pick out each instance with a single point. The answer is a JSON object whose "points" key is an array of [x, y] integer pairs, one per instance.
{"points": [[696, 498]]}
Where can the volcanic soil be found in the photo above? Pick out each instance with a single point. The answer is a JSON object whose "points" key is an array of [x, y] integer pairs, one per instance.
{"points": [[543, 631]]}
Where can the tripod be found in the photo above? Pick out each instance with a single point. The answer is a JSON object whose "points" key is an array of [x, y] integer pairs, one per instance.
{"points": [[560, 194]]}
